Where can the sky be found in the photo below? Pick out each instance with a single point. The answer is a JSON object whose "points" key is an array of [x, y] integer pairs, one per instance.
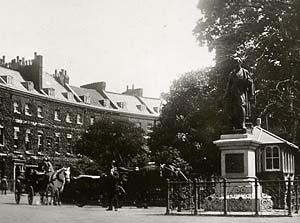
{"points": [[148, 43]]}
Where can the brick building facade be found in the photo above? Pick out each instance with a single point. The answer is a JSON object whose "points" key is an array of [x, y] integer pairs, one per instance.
{"points": [[42, 114]]}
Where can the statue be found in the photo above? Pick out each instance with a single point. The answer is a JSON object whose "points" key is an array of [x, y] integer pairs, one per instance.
{"points": [[239, 94]]}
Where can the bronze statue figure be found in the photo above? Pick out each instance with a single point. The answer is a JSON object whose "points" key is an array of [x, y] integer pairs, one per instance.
{"points": [[239, 94]]}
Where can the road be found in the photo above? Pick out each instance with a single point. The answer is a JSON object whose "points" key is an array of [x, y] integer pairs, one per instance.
{"points": [[24, 213]]}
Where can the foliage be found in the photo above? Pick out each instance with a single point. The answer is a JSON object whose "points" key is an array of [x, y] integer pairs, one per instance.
{"points": [[112, 138], [84, 165], [189, 122], [265, 34]]}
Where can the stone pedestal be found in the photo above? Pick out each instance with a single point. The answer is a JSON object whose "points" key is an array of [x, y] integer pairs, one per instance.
{"points": [[238, 168]]}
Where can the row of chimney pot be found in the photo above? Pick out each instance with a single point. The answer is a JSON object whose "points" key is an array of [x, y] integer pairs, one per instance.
{"points": [[18, 61], [61, 72]]}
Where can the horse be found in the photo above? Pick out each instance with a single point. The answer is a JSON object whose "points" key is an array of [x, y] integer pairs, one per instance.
{"points": [[56, 184]]}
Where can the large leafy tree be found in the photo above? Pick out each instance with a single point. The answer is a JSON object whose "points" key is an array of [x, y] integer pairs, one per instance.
{"points": [[266, 35], [112, 138], [189, 122]]}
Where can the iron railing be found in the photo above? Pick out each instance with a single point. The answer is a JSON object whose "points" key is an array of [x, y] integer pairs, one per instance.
{"points": [[233, 197]]}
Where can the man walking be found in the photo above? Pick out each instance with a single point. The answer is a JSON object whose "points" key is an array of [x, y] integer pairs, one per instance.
{"points": [[113, 183]]}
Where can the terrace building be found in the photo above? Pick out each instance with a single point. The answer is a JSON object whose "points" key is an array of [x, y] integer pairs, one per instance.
{"points": [[42, 114]]}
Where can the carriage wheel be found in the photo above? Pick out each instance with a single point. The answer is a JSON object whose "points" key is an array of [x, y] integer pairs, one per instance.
{"points": [[30, 195], [17, 196]]}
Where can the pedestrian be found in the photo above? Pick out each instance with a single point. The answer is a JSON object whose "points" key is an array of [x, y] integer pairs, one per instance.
{"points": [[4, 185], [113, 185]]}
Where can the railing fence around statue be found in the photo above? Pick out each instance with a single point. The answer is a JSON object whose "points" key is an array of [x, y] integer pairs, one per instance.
{"points": [[233, 197]]}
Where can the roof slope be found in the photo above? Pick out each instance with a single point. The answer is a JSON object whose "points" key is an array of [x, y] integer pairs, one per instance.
{"points": [[17, 80], [95, 96], [265, 137]]}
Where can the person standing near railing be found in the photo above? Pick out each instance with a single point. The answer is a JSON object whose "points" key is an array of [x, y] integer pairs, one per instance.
{"points": [[4, 185]]}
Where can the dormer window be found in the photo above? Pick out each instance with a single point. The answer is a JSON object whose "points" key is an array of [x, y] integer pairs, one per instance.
{"points": [[16, 107], [86, 99], [104, 102], [68, 95], [50, 91], [28, 85], [7, 79], [122, 104], [56, 115], [27, 110], [141, 107]]}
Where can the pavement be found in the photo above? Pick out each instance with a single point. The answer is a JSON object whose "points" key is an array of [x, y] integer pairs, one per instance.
{"points": [[25, 213]]}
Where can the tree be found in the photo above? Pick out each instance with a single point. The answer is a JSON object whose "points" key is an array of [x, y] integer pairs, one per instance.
{"points": [[112, 138], [189, 122], [265, 34]]}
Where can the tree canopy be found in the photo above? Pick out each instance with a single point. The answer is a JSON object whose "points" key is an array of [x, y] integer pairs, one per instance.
{"points": [[188, 124], [266, 35], [112, 138]]}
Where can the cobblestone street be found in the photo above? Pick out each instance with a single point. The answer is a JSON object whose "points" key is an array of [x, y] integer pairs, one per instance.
{"points": [[24, 213]]}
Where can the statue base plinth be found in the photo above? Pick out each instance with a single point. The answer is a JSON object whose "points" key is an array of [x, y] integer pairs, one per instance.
{"points": [[240, 197]]}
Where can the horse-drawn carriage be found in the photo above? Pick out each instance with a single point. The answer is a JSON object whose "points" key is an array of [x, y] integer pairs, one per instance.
{"points": [[90, 190], [30, 183], [48, 186]]}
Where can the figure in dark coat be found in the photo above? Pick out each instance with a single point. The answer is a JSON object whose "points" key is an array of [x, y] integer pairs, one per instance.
{"points": [[113, 184], [4, 185], [239, 93]]}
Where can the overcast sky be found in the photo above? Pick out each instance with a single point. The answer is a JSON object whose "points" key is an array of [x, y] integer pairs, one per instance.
{"points": [[148, 43]]}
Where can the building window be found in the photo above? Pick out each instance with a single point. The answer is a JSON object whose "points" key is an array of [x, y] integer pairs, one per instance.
{"points": [[40, 112], [68, 118], [27, 139], [149, 126], [16, 107], [138, 124], [56, 115], [272, 158], [92, 120], [1, 135], [69, 141], [40, 141], [141, 107], [57, 140], [79, 119], [16, 137], [122, 104], [49, 142], [27, 110]]}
